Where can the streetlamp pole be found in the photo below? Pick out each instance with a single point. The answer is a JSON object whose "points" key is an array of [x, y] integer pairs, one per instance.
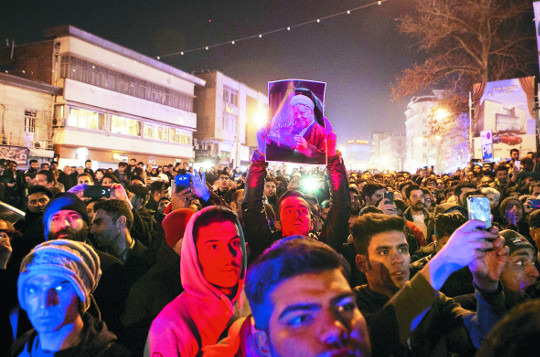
{"points": [[471, 146]]}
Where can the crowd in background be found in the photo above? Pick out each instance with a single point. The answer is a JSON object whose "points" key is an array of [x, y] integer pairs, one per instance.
{"points": [[145, 229]]}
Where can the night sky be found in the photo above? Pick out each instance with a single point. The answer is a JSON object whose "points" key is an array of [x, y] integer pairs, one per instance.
{"points": [[358, 55]]}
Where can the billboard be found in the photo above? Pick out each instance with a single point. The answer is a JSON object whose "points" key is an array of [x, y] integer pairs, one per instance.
{"points": [[506, 108]]}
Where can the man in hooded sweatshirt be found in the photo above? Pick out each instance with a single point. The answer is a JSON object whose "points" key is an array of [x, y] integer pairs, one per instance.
{"points": [[212, 270]]}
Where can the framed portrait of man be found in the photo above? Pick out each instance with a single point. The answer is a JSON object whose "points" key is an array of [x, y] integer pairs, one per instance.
{"points": [[296, 123]]}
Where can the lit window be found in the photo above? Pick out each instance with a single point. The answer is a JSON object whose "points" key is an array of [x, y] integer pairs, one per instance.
{"points": [[85, 119], [156, 132], [125, 126]]}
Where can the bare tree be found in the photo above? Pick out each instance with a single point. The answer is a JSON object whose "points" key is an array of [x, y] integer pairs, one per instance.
{"points": [[465, 42]]}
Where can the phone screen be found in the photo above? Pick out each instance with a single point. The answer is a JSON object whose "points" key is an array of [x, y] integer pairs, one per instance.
{"points": [[97, 191], [182, 182], [517, 164], [479, 209], [389, 196]]}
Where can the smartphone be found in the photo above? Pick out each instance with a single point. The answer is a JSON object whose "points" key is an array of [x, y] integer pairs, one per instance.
{"points": [[182, 182], [479, 209], [517, 165], [389, 196], [97, 191], [535, 203]]}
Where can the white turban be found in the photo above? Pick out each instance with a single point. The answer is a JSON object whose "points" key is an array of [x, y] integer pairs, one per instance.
{"points": [[302, 99]]}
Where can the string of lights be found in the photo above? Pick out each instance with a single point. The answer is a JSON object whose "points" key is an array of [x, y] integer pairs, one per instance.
{"points": [[264, 34]]}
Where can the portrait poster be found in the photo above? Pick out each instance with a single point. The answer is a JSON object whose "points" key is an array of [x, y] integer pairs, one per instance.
{"points": [[296, 123]]}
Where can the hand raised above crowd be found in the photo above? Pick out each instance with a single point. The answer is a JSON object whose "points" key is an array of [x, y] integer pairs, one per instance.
{"points": [[468, 243], [198, 184]]}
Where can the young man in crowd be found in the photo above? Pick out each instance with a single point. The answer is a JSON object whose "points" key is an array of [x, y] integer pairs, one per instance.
{"points": [[212, 269], [55, 286], [292, 208], [417, 213], [372, 193], [413, 315], [302, 303], [158, 189]]}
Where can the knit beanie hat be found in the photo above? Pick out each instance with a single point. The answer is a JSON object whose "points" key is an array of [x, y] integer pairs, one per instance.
{"points": [[174, 224], [65, 201], [515, 241], [74, 261]]}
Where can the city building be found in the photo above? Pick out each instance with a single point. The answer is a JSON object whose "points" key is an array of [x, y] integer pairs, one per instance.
{"points": [[114, 104], [391, 155], [445, 150], [229, 113], [26, 112]]}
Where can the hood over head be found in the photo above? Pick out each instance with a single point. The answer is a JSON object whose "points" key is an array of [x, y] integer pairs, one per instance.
{"points": [[191, 274]]}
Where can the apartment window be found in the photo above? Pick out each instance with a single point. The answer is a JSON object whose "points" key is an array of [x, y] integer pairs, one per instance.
{"points": [[30, 118], [229, 122], [125, 126], [181, 136], [85, 119], [156, 132], [230, 96]]}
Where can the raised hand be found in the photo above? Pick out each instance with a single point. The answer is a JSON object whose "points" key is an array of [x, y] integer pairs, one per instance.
{"points": [[198, 183]]}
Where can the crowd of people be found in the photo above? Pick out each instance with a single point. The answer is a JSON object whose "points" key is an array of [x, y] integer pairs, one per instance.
{"points": [[269, 262]]}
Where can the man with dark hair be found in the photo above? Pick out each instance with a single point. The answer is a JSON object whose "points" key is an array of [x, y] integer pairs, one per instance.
{"points": [[212, 268], [13, 181], [33, 169], [514, 156], [144, 223], [270, 187], [302, 303], [414, 315], [460, 191], [122, 173], [158, 189], [416, 212], [223, 189], [88, 168], [372, 193], [55, 289], [46, 179], [293, 210], [85, 178]]}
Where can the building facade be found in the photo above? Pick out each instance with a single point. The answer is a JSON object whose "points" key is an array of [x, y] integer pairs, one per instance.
{"points": [[26, 116], [229, 113], [114, 104]]}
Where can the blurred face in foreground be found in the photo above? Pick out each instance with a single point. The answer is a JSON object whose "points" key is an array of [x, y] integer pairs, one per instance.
{"points": [[519, 272], [315, 314]]}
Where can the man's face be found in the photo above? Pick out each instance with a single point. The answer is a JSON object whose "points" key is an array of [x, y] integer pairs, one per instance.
{"points": [[12, 166], [162, 205], [514, 155], [295, 216], [223, 182], [220, 254], [41, 180], [54, 166], [132, 163], [535, 190], [303, 116], [502, 176], [375, 197], [387, 268], [105, 231], [315, 314], [88, 165], [66, 224], [519, 272], [477, 169], [37, 202], [85, 179], [51, 303], [485, 181], [34, 165], [269, 189], [417, 200], [67, 170], [80, 170], [107, 181]]}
